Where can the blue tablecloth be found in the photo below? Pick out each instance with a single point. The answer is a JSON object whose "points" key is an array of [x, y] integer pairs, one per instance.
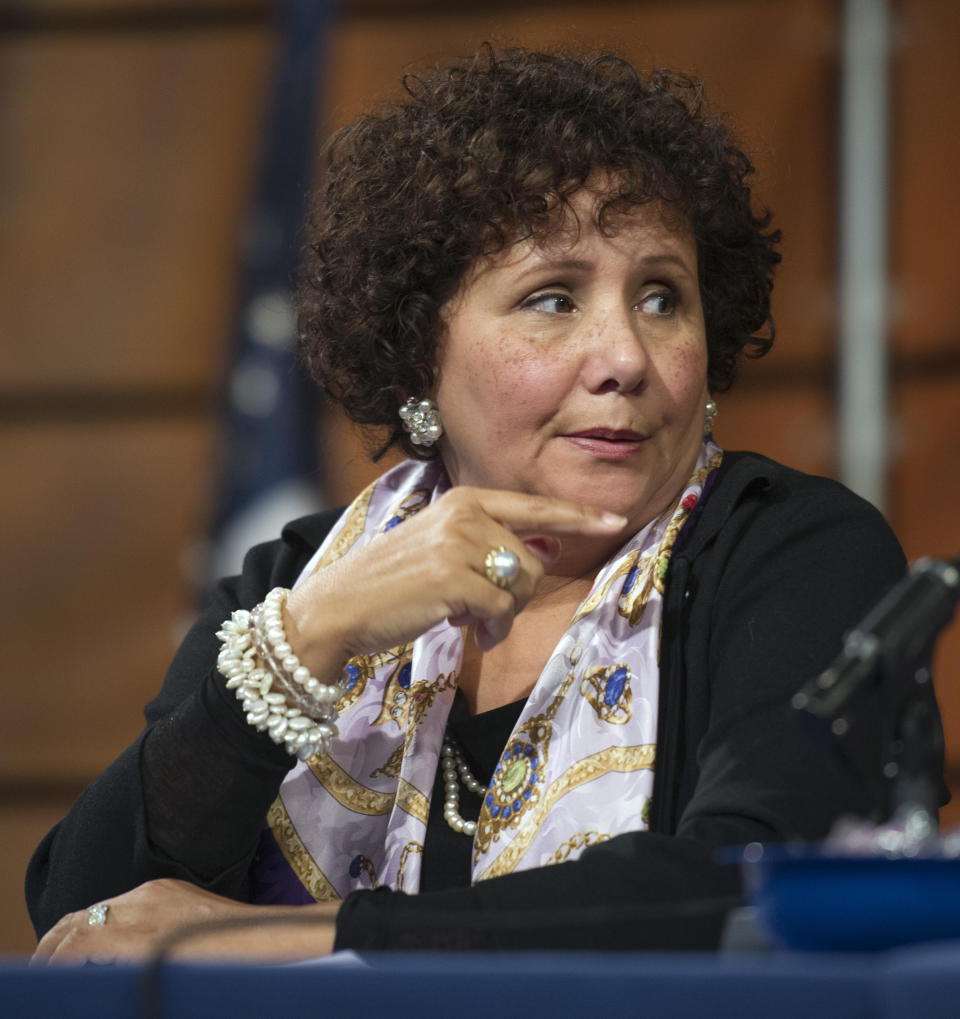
{"points": [[917, 981]]}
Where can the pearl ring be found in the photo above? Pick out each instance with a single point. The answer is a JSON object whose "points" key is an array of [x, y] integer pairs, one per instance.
{"points": [[502, 567], [97, 915]]}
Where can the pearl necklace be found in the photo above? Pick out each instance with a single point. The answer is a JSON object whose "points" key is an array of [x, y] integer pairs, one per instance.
{"points": [[452, 762]]}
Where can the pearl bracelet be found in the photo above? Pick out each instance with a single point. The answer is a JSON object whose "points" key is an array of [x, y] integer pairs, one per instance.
{"points": [[278, 694]]}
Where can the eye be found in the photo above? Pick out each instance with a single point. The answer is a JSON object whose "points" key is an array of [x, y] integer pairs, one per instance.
{"points": [[660, 302], [552, 303]]}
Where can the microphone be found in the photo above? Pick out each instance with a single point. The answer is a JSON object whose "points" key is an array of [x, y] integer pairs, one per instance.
{"points": [[897, 634]]}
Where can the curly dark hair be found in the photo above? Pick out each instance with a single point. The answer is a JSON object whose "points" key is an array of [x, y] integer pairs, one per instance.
{"points": [[483, 153]]}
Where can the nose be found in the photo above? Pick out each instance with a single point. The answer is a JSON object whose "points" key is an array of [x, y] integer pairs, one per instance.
{"points": [[616, 356]]}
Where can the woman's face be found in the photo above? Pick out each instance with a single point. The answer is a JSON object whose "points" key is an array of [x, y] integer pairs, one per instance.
{"points": [[577, 368]]}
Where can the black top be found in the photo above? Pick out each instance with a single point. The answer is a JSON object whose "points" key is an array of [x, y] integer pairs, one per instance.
{"points": [[758, 596], [447, 855]]}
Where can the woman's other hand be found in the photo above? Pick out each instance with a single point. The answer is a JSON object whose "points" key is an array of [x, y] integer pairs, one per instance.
{"points": [[431, 568], [138, 921]]}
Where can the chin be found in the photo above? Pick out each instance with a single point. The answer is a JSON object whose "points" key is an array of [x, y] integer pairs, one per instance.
{"points": [[608, 497]]}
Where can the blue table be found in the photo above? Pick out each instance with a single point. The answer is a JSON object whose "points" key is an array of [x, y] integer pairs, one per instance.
{"points": [[918, 981]]}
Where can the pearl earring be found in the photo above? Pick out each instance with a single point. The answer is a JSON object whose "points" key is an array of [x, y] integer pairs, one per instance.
{"points": [[710, 413], [422, 420]]}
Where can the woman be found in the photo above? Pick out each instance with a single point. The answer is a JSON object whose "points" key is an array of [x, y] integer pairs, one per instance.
{"points": [[563, 637]]}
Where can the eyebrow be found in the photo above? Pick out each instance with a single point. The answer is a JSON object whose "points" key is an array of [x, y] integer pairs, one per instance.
{"points": [[584, 265]]}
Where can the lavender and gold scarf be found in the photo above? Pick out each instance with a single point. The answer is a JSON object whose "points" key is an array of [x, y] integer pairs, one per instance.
{"points": [[578, 767]]}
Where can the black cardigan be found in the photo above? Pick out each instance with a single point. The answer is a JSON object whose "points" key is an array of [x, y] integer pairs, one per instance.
{"points": [[759, 594]]}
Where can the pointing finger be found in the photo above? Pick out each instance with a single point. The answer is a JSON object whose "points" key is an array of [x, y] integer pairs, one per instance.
{"points": [[537, 514]]}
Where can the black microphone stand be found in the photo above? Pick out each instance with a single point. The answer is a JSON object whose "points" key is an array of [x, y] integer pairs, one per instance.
{"points": [[889, 653]]}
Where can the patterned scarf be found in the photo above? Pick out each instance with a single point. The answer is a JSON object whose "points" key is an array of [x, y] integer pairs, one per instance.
{"points": [[577, 768]]}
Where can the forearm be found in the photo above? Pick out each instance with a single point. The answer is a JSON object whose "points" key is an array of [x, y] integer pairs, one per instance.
{"points": [[158, 810], [99, 848], [638, 891], [184, 801], [207, 780], [147, 815]]}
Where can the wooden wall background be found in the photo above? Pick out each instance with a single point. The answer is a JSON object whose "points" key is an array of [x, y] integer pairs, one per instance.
{"points": [[128, 134]]}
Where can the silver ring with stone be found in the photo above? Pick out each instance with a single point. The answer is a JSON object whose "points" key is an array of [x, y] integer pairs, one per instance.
{"points": [[97, 915], [502, 567]]}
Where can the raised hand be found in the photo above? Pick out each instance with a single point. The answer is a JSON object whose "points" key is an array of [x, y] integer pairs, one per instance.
{"points": [[432, 568]]}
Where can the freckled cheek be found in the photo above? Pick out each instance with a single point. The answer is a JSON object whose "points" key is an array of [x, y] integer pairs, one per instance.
{"points": [[685, 371], [521, 380]]}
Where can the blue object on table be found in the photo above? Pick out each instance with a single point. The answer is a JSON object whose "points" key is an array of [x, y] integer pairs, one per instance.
{"points": [[807, 898]]}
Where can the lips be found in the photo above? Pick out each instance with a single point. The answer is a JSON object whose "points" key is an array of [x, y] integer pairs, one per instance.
{"points": [[609, 434], [607, 443]]}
